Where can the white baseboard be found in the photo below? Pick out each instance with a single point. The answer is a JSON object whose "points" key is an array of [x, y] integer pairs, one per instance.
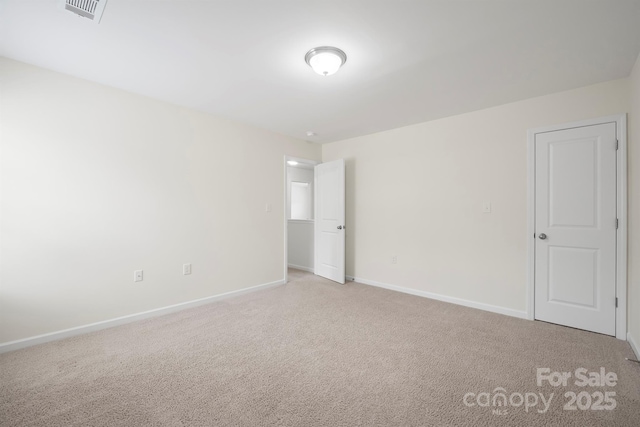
{"points": [[79, 330], [445, 298], [634, 345], [299, 267]]}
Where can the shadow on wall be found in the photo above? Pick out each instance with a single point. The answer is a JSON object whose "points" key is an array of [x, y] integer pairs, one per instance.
{"points": [[351, 211]]}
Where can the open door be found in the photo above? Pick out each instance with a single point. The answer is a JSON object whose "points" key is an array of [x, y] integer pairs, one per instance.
{"points": [[329, 220]]}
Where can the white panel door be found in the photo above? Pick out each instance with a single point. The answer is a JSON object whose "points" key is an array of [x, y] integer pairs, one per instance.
{"points": [[329, 220], [575, 227]]}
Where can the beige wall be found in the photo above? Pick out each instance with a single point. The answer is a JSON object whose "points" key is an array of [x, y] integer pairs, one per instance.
{"points": [[417, 192], [634, 208], [97, 183]]}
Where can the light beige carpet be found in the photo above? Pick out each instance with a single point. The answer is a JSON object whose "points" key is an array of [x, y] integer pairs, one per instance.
{"points": [[315, 353]]}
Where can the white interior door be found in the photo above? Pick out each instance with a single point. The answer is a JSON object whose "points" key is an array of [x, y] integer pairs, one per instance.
{"points": [[329, 220], [575, 227]]}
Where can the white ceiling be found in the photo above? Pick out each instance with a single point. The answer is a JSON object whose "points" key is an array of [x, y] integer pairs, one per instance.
{"points": [[408, 61]]}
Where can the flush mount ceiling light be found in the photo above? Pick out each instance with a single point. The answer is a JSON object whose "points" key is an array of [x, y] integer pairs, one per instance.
{"points": [[292, 162], [325, 60]]}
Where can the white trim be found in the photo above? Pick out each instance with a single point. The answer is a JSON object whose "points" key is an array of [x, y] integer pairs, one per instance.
{"points": [[286, 223], [531, 223], [634, 346], [97, 326], [453, 300], [621, 256], [299, 267], [621, 268]]}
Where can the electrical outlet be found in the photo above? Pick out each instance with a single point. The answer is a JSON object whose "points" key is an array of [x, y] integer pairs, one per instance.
{"points": [[486, 207], [394, 259], [267, 208], [137, 276], [186, 269]]}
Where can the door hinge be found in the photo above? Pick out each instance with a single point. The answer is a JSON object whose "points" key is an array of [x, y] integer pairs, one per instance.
{"points": [[617, 144], [616, 223], [616, 302]]}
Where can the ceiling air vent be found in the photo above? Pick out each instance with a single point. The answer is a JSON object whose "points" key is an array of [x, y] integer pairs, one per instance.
{"points": [[91, 9]]}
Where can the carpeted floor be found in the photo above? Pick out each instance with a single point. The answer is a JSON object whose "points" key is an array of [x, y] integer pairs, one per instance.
{"points": [[315, 353]]}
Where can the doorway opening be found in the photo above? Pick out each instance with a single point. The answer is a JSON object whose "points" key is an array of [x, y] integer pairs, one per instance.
{"points": [[299, 221]]}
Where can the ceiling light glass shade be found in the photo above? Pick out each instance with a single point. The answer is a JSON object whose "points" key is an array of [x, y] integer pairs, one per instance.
{"points": [[325, 60], [292, 162]]}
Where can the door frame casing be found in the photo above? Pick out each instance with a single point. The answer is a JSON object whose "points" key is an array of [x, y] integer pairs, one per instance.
{"points": [[286, 221], [621, 213]]}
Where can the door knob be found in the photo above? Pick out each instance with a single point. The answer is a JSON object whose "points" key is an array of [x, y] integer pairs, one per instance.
{"points": [[542, 236], [339, 227]]}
